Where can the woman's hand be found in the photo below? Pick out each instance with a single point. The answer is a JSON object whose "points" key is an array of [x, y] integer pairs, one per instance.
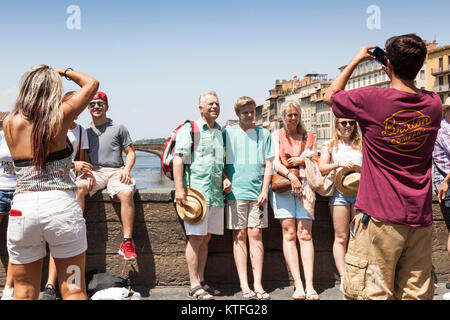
{"points": [[83, 166], [296, 161], [296, 186], [346, 164]]}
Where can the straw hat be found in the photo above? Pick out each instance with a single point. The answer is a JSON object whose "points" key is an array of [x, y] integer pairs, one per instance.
{"points": [[195, 208], [347, 181]]}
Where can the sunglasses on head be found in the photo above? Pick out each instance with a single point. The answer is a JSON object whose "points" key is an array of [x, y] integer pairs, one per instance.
{"points": [[344, 123], [99, 103]]}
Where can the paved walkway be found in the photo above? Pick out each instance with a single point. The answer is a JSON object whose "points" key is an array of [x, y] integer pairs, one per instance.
{"points": [[284, 293]]}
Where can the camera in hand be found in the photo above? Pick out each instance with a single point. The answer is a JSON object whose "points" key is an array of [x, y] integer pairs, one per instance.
{"points": [[380, 56]]}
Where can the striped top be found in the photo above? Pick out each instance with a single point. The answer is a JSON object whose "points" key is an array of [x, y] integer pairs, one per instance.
{"points": [[55, 176]]}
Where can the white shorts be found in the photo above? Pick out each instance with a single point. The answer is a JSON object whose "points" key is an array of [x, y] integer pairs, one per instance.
{"points": [[45, 216], [109, 178], [212, 223]]}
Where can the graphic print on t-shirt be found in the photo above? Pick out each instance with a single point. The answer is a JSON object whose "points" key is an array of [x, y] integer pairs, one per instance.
{"points": [[406, 130]]}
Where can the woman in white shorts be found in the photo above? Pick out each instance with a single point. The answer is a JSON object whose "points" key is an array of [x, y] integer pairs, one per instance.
{"points": [[343, 151], [44, 207]]}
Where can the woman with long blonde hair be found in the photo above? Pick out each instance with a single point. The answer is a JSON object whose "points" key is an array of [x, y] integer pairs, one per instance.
{"points": [[289, 144], [45, 209], [343, 151]]}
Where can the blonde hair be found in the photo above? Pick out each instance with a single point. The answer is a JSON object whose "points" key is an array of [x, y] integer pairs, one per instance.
{"points": [[243, 102], [355, 137], [201, 99], [39, 100], [283, 110]]}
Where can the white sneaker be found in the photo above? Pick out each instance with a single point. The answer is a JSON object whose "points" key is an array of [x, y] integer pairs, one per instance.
{"points": [[341, 286], [446, 296], [8, 293]]}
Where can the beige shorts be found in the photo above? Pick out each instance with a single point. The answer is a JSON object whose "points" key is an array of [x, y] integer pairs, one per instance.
{"points": [[388, 261], [243, 214], [212, 223], [108, 178]]}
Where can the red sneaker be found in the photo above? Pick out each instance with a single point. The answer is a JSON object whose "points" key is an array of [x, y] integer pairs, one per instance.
{"points": [[128, 250]]}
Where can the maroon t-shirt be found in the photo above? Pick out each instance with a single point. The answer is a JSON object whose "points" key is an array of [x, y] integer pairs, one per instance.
{"points": [[398, 134]]}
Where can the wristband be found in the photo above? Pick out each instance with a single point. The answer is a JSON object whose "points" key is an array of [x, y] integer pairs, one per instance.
{"points": [[65, 76], [287, 176]]}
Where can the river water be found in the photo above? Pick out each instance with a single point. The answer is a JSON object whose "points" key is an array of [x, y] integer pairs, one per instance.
{"points": [[147, 172]]}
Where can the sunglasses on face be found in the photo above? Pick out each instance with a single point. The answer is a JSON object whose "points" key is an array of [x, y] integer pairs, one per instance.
{"points": [[99, 103], [344, 123]]}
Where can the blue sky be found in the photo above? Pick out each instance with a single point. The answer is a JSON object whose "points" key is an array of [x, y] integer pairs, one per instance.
{"points": [[154, 58]]}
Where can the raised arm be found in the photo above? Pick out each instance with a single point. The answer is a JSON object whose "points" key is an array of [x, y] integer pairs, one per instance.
{"points": [[341, 80], [73, 107]]}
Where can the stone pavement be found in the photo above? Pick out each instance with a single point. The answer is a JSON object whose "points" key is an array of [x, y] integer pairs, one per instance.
{"points": [[283, 293]]}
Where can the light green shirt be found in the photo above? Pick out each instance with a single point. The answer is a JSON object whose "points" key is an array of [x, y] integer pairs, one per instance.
{"points": [[246, 153], [206, 163]]}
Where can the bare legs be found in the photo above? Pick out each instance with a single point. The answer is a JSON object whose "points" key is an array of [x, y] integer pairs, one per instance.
{"points": [[256, 257], [300, 229], [341, 216], [27, 278]]}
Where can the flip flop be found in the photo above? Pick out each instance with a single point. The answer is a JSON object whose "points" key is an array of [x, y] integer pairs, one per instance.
{"points": [[245, 296], [299, 294], [260, 295], [200, 294], [312, 295], [210, 289]]}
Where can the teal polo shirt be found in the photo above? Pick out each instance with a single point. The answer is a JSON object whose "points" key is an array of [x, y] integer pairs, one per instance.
{"points": [[246, 153]]}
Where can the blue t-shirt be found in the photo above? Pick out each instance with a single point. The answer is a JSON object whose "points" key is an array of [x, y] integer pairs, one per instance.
{"points": [[246, 153]]}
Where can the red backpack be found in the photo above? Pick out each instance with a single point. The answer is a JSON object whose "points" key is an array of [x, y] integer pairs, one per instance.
{"points": [[169, 148]]}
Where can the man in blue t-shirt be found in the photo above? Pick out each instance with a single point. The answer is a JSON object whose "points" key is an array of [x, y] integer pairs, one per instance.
{"points": [[248, 167]]}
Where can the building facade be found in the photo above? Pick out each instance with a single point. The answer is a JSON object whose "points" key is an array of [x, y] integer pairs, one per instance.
{"points": [[438, 71]]}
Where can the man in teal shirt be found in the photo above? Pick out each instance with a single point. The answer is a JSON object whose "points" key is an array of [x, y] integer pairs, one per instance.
{"points": [[205, 175], [248, 170]]}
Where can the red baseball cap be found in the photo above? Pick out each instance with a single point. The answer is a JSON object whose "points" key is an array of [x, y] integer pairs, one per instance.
{"points": [[101, 95]]}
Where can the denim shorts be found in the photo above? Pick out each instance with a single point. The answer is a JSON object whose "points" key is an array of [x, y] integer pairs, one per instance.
{"points": [[338, 199], [5, 201], [285, 205]]}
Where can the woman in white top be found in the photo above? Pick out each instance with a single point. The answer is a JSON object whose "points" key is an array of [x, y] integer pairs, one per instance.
{"points": [[8, 183], [343, 151]]}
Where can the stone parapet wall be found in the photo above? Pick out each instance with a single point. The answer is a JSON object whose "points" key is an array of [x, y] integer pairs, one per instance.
{"points": [[160, 239]]}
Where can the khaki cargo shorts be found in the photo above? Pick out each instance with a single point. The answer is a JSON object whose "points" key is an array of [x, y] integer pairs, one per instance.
{"points": [[243, 214], [388, 261], [109, 178]]}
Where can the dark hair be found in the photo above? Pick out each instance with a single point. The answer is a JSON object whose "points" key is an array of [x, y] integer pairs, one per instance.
{"points": [[407, 54], [68, 94]]}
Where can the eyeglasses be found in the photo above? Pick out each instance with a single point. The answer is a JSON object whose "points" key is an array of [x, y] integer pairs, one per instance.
{"points": [[99, 103], [344, 123]]}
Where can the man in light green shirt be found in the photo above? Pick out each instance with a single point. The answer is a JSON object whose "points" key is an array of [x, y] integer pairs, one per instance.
{"points": [[204, 173], [249, 156]]}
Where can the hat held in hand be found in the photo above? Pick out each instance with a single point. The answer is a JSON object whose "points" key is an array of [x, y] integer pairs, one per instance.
{"points": [[347, 181], [194, 209]]}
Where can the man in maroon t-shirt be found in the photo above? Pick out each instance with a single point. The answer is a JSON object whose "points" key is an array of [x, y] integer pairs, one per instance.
{"points": [[389, 254]]}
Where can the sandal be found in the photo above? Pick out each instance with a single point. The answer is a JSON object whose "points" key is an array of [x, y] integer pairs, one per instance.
{"points": [[299, 294], [260, 295], [249, 295], [200, 294], [210, 290], [312, 295]]}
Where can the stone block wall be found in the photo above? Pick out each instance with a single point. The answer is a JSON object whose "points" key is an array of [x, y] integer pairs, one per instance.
{"points": [[160, 239]]}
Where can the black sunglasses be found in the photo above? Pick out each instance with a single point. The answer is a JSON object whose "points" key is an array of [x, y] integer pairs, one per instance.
{"points": [[344, 123], [99, 103]]}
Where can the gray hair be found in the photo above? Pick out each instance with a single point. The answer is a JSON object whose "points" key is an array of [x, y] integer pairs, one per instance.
{"points": [[201, 99], [285, 106]]}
